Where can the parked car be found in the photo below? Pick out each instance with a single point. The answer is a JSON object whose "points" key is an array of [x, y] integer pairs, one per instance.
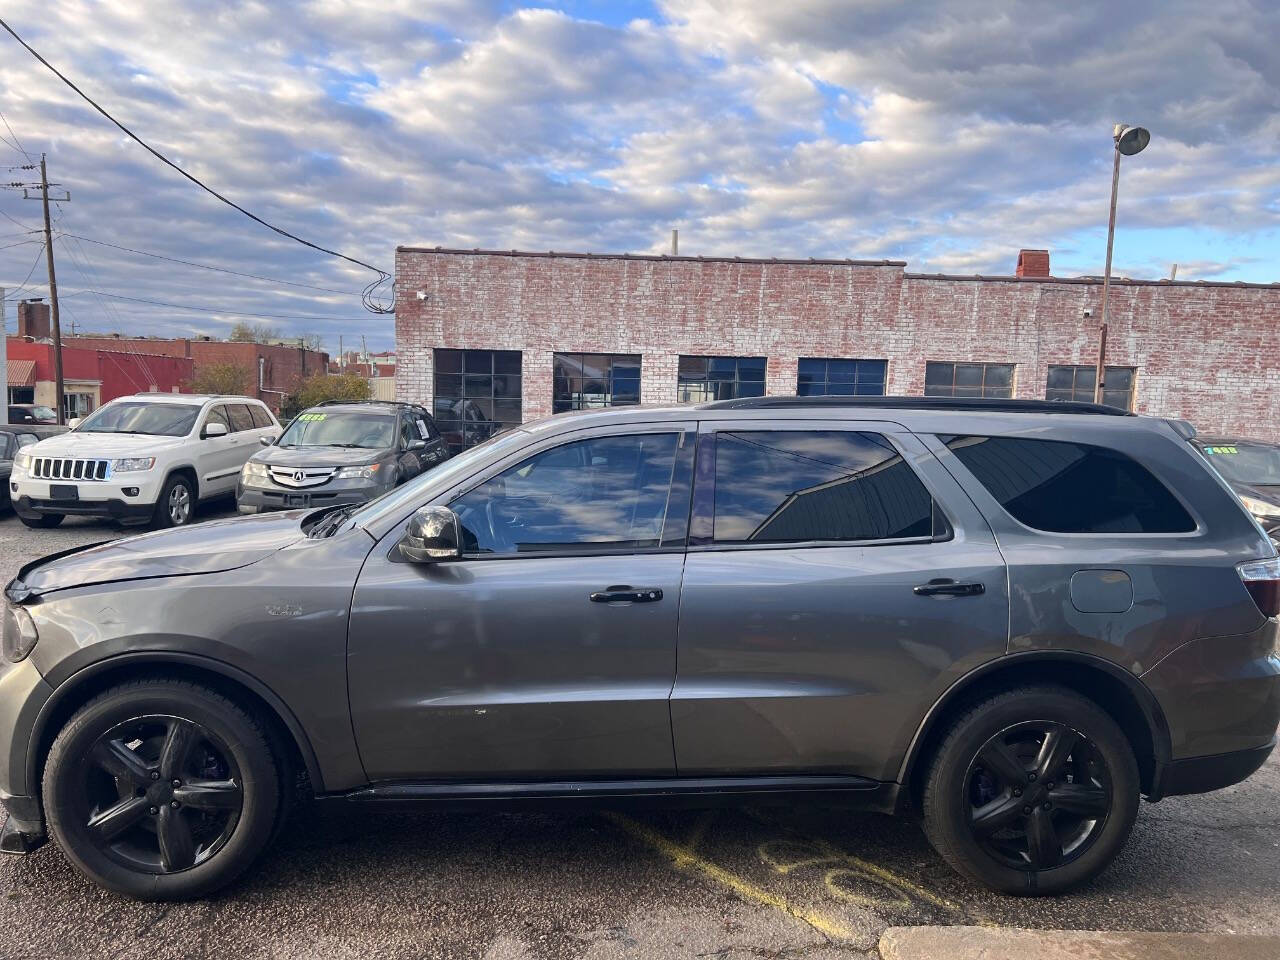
{"points": [[32, 413], [339, 453], [1016, 617], [1252, 467], [148, 458], [13, 437]]}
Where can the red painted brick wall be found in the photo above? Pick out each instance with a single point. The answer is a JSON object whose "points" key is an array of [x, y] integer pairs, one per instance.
{"points": [[1206, 352], [118, 372]]}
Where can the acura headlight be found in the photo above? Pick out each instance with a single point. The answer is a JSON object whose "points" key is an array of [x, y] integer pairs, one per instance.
{"points": [[132, 464], [1260, 508], [254, 470], [368, 471], [19, 633]]}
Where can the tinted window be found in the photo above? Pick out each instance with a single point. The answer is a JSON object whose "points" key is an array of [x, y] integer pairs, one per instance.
{"points": [[701, 379], [260, 416], [241, 418], [477, 394], [218, 414], [1071, 487], [606, 492], [839, 378], [774, 486]]}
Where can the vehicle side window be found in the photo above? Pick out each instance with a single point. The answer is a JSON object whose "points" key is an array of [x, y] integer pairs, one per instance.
{"points": [[218, 414], [261, 418], [408, 434], [1065, 487], [6, 446], [601, 493], [26, 439], [785, 486], [241, 418]]}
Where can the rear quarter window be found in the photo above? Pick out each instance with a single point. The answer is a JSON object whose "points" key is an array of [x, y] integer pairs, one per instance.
{"points": [[1063, 487]]}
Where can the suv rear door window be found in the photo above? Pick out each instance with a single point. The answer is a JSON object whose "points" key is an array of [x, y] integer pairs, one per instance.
{"points": [[1062, 487], [260, 416], [602, 493], [792, 486], [241, 418]]}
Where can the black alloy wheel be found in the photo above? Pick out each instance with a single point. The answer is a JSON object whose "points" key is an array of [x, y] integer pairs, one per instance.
{"points": [[160, 794], [1038, 794]]}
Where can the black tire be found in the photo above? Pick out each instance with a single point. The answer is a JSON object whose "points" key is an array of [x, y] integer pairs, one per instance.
{"points": [[176, 506], [1004, 805], [104, 771], [45, 521]]}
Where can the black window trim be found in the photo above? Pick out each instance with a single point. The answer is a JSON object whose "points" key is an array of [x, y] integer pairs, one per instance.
{"points": [[942, 451], [682, 485], [702, 519], [639, 358]]}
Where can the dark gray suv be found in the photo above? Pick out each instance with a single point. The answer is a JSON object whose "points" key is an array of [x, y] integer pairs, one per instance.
{"points": [[1012, 618], [339, 453]]}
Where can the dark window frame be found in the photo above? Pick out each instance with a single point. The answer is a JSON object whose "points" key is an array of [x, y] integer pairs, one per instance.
{"points": [[478, 429], [565, 404], [684, 379], [931, 390], [702, 505], [231, 417], [827, 382], [1075, 390]]}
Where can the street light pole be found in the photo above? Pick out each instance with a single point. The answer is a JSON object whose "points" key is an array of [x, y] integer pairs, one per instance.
{"points": [[1128, 141]]}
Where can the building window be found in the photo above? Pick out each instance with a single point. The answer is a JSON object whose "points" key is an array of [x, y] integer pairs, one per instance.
{"points": [[840, 378], [76, 405], [1077, 382], [968, 380], [701, 379], [477, 394], [586, 380]]}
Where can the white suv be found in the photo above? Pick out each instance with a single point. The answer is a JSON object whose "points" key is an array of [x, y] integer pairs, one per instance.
{"points": [[145, 458]]}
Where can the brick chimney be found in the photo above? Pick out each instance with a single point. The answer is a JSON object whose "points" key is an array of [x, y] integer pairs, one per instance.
{"points": [[33, 319], [1033, 263]]}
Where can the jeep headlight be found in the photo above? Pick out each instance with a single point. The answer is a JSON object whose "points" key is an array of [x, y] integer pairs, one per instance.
{"points": [[367, 472], [1260, 508], [19, 633], [21, 461], [254, 471], [132, 464]]}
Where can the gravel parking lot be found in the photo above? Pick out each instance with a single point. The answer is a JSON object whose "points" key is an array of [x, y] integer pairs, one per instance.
{"points": [[754, 882]]}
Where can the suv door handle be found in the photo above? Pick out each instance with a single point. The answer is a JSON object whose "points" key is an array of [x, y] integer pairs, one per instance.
{"points": [[948, 588], [622, 594]]}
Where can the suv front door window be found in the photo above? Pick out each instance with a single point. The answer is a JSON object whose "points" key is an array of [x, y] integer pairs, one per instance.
{"points": [[549, 681]]}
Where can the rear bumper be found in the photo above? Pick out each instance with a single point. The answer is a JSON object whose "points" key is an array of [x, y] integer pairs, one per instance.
{"points": [[1202, 774], [124, 511]]}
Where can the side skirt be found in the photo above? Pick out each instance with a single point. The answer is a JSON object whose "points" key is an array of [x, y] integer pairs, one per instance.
{"points": [[854, 792]]}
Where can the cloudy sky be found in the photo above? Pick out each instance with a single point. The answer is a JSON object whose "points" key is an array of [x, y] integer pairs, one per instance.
{"points": [[946, 134]]}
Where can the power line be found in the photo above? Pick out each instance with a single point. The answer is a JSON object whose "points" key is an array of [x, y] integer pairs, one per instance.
{"points": [[39, 253], [383, 276], [205, 266], [202, 309], [17, 144]]}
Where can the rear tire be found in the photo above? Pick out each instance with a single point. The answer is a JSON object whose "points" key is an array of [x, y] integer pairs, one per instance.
{"points": [[162, 790], [1032, 791], [45, 521]]}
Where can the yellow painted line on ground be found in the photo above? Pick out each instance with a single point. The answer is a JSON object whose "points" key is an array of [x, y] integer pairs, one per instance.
{"points": [[685, 859]]}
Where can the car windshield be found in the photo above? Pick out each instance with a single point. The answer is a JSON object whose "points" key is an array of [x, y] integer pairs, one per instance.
{"points": [[157, 419], [319, 428], [43, 413], [1254, 464]]}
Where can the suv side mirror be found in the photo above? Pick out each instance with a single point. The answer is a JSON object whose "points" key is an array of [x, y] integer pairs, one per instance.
{"points": [[266, 441], [214, 430], [417, 445], [434, 534]]}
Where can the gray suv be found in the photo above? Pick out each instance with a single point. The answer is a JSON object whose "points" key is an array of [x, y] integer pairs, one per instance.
{"points": [[341, 452], [1013, 619]]}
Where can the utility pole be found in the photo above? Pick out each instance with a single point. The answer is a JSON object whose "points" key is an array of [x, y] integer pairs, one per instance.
{"points": [[53, 286]]}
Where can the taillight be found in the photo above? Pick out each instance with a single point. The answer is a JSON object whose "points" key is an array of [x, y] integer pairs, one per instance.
{"points": [[1262, 580]]}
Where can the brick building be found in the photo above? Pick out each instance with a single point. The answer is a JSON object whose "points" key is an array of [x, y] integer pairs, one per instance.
{"points": [[500, 337]]}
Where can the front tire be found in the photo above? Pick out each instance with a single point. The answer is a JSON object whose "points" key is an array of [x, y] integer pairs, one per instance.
{"points": [[176, 506], [1032, 792], [162, 790], [45, 521]]}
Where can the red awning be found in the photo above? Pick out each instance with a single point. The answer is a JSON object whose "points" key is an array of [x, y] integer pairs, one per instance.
{"points": [[20, 373]]}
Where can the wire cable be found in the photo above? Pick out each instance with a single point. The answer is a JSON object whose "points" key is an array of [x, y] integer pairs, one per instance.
{"points": [[207, 309], [383, 276], [17, 144], [9, 293]]}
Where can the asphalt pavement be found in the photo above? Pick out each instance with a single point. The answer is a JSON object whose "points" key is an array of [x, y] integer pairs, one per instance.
{"points": [[814, 882]]}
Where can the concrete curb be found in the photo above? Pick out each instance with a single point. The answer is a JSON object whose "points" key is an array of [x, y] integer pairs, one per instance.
{"points": [[1004, 943]]}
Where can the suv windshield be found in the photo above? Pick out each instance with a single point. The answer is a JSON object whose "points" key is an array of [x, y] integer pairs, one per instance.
{"points": [[158, 419], [325, 429], [1254, 464]]}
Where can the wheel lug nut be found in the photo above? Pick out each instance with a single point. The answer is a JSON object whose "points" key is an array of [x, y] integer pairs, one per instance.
{"points": [[178, 783], [155, 774], [1017, 791], [174, 804], [155, 810], [1026, 809], [1031, 777]]}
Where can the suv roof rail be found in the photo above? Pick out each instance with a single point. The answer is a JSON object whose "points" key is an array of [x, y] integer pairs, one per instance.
{"points": [[974, 404], [351, 403]]}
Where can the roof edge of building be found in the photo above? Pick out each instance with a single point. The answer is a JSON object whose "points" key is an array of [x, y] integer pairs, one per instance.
{"points": [[547, 254], [1095, 281]]}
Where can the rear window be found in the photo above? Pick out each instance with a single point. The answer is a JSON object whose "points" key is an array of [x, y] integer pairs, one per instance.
{"points": [[776, 486], [241, 419], [260, 416], [1062, 487]]}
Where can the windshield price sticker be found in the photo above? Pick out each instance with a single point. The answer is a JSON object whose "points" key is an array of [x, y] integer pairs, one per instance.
{"points": [[311, 417], [1227, 450]]}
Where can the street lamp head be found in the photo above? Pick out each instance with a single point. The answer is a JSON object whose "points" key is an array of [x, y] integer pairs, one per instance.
{"points": [[1131, 140]]}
